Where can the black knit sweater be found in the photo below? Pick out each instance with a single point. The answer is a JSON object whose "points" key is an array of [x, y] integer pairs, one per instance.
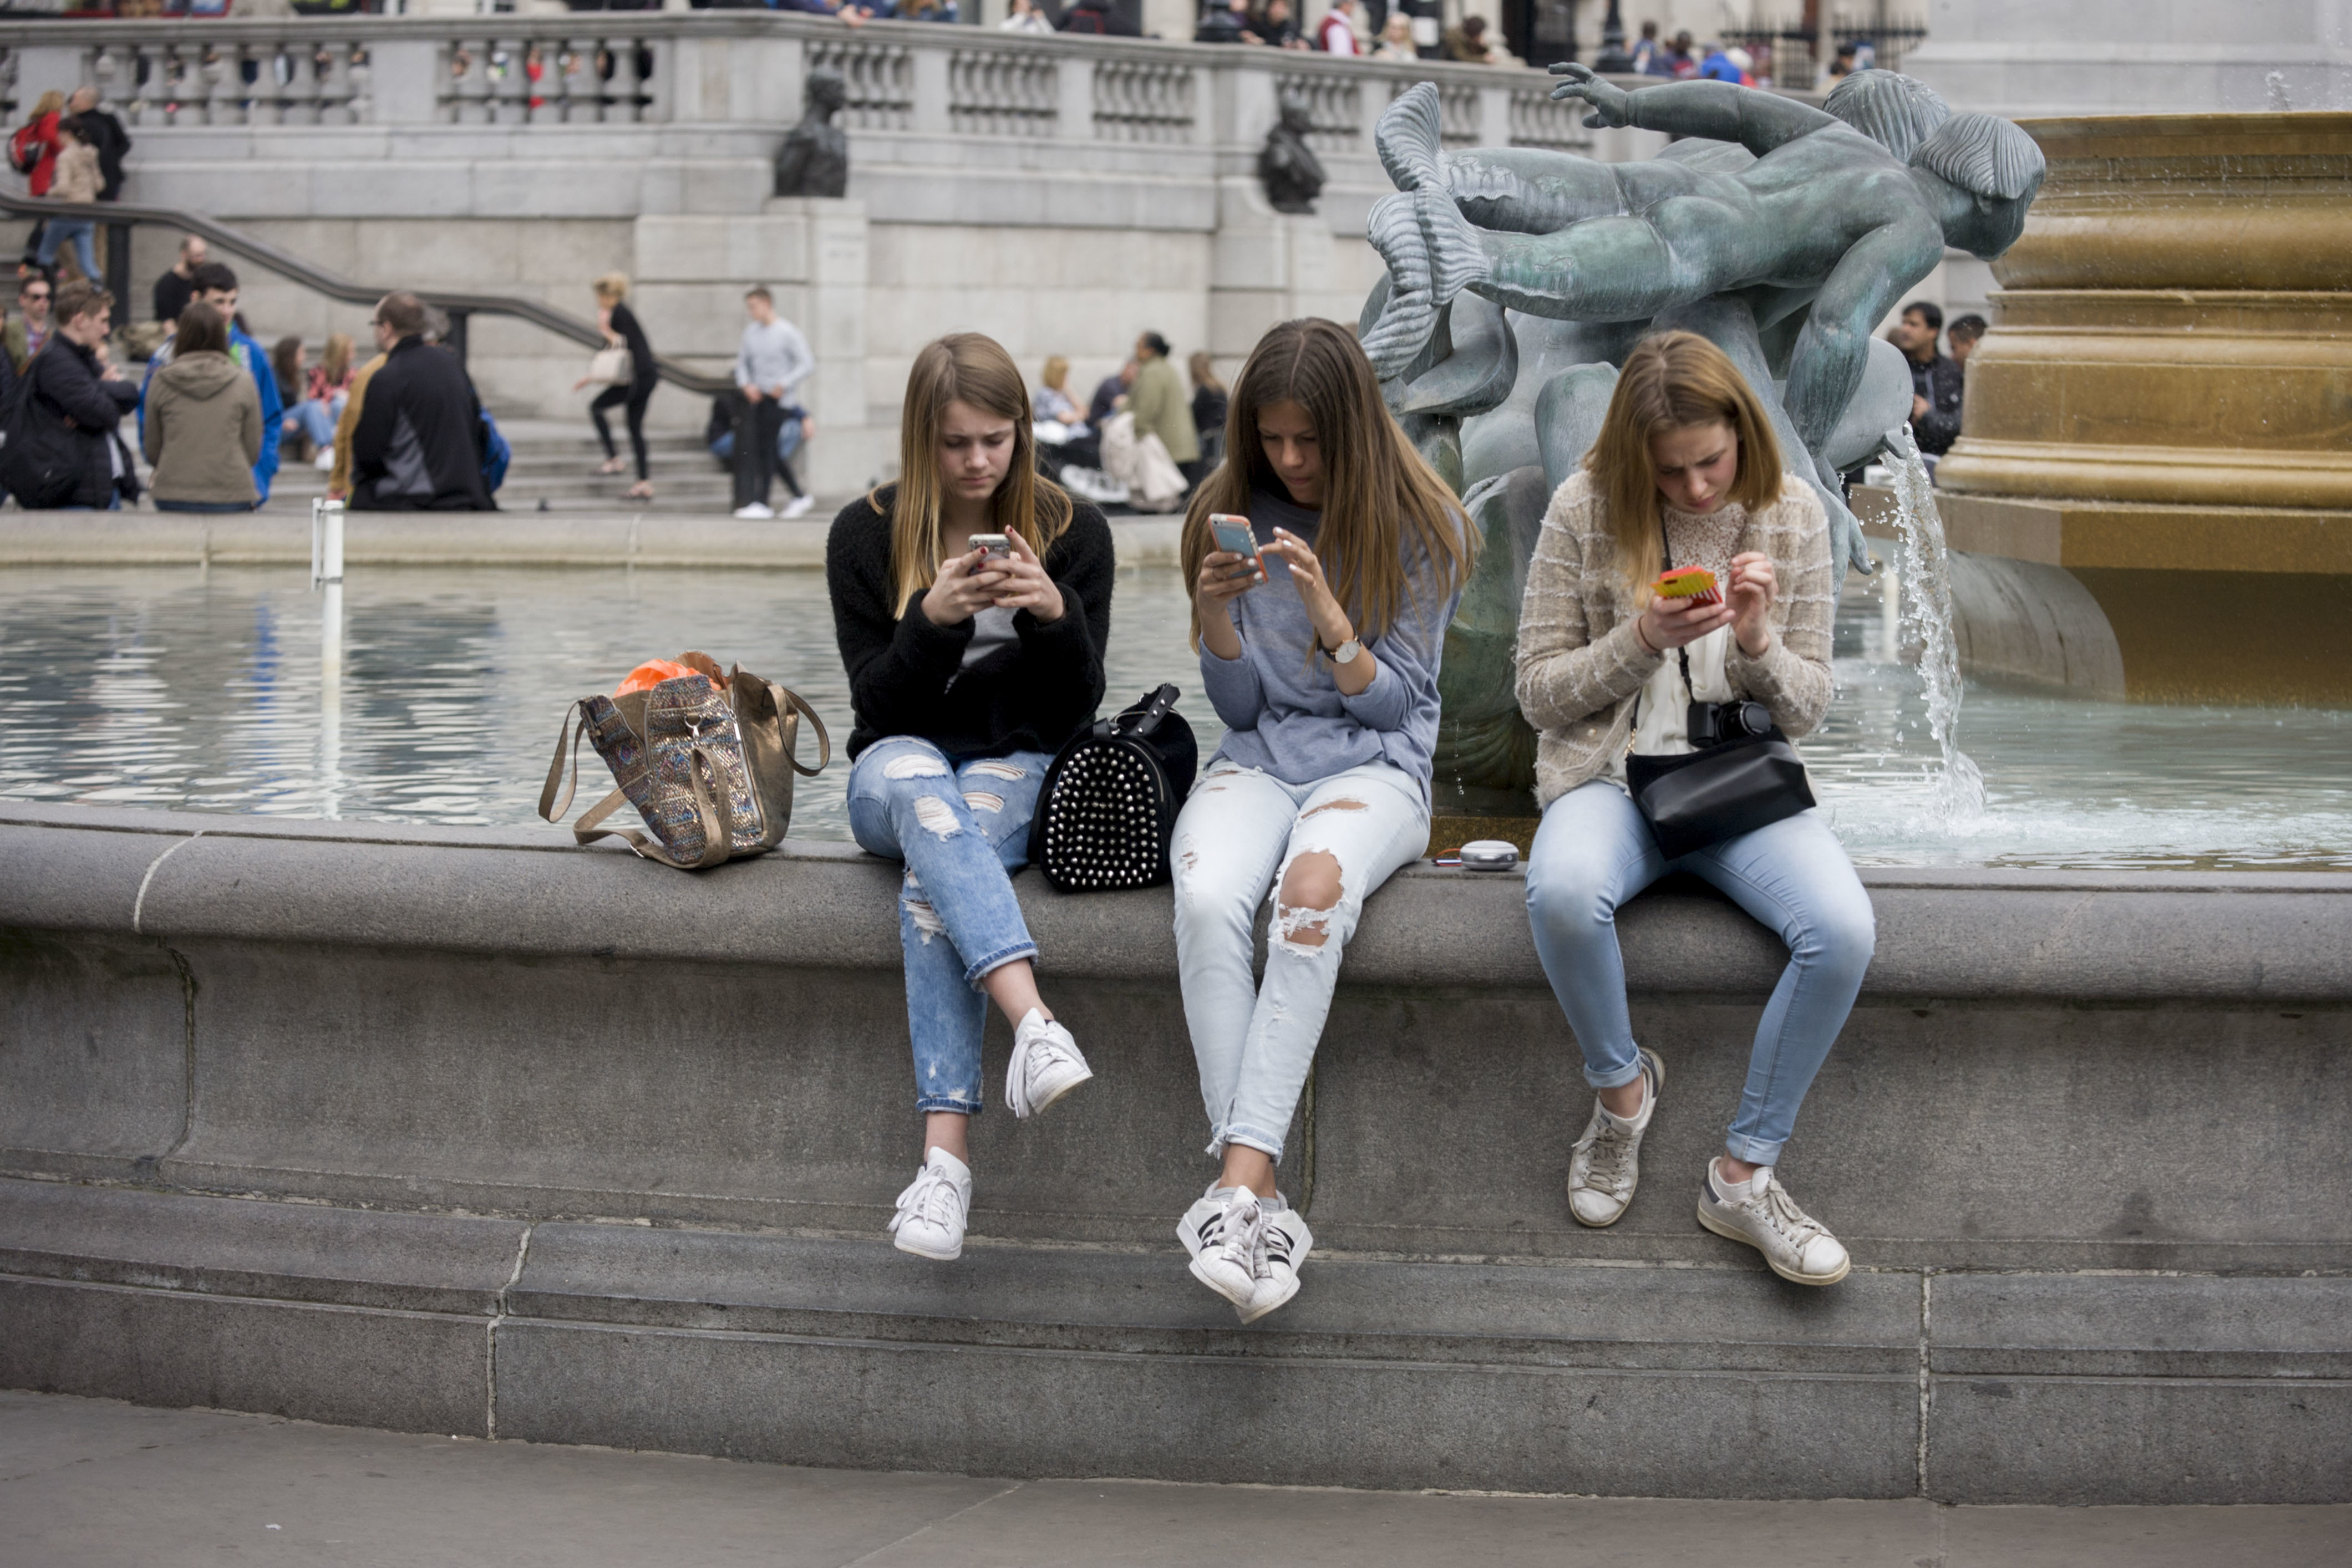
{"points": [[1033, 697]]}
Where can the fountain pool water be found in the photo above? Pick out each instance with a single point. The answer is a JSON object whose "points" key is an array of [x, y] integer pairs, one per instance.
{"points": [[172, 687]]}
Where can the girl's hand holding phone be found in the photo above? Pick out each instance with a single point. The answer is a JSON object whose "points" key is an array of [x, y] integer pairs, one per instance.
{"points": [[1021, 584], [1673, 621], [967, 584]]}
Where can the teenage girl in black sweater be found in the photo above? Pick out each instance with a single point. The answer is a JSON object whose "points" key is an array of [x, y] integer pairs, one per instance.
{"points": [[967, 672]]}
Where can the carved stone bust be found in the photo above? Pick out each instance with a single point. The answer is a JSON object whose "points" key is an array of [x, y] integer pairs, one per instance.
{"points": [[815, 158], [1291, 173]]}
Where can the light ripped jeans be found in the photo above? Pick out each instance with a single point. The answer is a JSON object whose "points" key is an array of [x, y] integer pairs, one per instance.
{"points": [[1235, 840], [961, 826]]}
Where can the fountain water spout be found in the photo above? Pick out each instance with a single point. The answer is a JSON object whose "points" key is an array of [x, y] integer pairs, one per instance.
{"points": [[1925, 567]]}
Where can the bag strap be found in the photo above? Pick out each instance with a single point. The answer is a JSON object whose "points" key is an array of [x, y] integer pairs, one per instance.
{"points": [[1690, 692], [717, 821], [787, 701], [1143, 719], [549, 807]]}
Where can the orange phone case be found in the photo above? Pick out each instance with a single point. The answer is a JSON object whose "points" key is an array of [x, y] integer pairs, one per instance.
{"points": [[1688, 582]]}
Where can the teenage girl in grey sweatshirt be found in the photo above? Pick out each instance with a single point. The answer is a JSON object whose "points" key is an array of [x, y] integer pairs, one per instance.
{"points": [[1319, 650]]}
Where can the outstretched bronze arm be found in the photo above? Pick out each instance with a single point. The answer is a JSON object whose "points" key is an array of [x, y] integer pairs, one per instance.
{"points": [[1718, 110]]}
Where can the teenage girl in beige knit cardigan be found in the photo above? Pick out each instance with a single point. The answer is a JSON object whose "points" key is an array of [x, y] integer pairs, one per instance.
{"points": [[1686, 462]]}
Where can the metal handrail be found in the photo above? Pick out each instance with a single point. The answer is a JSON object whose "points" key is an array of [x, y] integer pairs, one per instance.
{"points": [[458, 306]]}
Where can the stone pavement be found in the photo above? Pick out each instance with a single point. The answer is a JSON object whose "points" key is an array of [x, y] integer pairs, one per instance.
{"points": [[91, 1481]]}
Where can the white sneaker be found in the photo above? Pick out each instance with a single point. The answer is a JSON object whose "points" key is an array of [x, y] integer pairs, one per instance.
{"points": [[798, 507], [1225, 1234], [757, 509], [1607, 1164], [1284, 1247], [1759, 1212], [1046, 1065], [325, 461], [929, 1221]]}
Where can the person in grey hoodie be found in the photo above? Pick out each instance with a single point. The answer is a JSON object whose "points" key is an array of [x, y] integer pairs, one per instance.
{"points": [[1320, 649], [203, 431]]}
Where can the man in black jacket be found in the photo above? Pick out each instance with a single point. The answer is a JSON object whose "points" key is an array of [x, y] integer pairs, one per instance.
{"points": [[1934, 381], [419, 446], [104, 132], [73, 460]]}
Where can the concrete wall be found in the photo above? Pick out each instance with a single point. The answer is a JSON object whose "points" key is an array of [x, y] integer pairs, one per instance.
{"points": [[465, 1131]]}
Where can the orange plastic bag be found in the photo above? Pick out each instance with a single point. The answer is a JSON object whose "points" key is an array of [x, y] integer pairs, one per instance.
{"points": [[654, 672]]}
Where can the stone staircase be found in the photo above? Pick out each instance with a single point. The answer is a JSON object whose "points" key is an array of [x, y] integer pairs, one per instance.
{"points": [[554, 470]]}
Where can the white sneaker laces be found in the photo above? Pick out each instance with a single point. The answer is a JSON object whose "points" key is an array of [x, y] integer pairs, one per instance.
{"points": [[1608, 1150], [1242, 1242], [932, 1199], [1779, 1211]]}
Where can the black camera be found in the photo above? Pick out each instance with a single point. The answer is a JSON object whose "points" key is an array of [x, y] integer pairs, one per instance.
{"points": [[1713, 724]]}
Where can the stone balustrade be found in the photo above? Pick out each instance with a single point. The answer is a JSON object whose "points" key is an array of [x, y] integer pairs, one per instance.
{"points": [[661, 67]]}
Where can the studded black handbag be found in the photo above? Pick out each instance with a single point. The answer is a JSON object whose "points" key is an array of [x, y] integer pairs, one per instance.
{"points": [[1108, 807]]}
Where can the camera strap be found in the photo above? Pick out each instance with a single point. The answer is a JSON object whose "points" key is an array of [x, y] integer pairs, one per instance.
{"points": [[1690, 690]]}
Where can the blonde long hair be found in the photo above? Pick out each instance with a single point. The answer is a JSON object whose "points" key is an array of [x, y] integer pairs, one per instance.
{"points": [[1670, 381], [966, 367], [1376, 487]]}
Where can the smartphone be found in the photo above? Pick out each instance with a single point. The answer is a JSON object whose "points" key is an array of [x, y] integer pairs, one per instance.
{"points": [[1235, 536], [998, 547], [1692, 582]]}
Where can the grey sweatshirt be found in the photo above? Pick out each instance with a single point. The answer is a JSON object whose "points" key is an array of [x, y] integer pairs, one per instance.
{"points": [[772, 356], [1284, 713]]}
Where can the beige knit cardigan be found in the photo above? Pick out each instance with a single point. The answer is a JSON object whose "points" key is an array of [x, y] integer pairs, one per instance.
{"points": [[1581, 665]]}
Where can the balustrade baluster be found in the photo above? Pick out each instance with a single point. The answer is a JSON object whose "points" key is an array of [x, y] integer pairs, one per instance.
{"points": [[223, 77], [266, 100], [334, 84], [472, 83], [629, 80], [361, 73], [302, 86], [513, 83]]}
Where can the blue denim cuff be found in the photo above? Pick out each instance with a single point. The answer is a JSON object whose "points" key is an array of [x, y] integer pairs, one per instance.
{"points": [[930, 1103], [975, 973], [1617, 1078], [1270, 1147], [1754, 1151]]}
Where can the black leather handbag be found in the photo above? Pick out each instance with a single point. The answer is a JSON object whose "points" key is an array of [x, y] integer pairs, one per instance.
{"points": [[1108, 809], [1744, 775]]}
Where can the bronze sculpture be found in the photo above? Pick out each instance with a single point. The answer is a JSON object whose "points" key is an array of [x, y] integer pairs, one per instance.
{"points": [[1287, 165], [815, 158]]}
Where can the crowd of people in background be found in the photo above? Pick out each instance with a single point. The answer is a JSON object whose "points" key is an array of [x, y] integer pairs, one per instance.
{"points": [[1147, 436]]}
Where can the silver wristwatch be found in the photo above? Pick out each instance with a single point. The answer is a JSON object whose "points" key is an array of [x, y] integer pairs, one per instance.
{"points": [[1345, 654]]}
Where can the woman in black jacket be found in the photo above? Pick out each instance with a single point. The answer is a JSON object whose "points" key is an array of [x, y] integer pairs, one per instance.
{"points": [[970, 666], [77, 401], [622, 331]]}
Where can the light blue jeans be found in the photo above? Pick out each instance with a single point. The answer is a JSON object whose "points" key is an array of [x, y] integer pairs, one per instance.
{"points": [[1594, 852], [317, 418], [1235, 839], [58, 231], [961, 826]]}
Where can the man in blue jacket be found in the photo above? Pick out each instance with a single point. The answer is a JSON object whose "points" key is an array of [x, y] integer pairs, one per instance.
{"points": [[216, 285]]}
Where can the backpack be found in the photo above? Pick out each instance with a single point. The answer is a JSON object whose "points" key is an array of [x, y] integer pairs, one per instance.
{"points": [[1108, 809], [495, 454], [27, 147], [38, 463]]}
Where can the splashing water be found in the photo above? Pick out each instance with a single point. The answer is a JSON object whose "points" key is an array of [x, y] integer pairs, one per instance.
{"points": [[1926, 568]]}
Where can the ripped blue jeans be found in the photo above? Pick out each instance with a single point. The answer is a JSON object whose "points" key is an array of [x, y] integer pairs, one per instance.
{"points": [[961, 826]]}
